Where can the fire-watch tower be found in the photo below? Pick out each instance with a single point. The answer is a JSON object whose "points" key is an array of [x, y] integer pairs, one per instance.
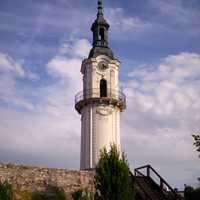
{"points": [[101, 101]]}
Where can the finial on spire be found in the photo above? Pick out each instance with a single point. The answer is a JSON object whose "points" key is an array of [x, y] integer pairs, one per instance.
{"points": [[100, 7], [100, 3]]}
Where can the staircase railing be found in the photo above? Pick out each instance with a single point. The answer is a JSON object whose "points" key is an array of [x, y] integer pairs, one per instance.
{"points": [[164, 186], [146, 196]]}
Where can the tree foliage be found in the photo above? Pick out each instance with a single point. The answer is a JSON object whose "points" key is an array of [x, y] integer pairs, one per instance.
{"points": [[51, 193], [5, 191], [82, 194], [191, 194], [196, 139], [112, 177]]}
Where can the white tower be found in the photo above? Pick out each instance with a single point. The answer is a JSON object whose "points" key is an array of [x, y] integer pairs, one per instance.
{"points": [[101, 102]]}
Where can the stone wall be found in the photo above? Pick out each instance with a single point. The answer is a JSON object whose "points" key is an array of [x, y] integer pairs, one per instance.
{"points": [[30, 179]]}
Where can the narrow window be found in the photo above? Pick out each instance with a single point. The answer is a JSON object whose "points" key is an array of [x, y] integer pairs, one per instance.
{"points": [[101, 34], [103, 88]]}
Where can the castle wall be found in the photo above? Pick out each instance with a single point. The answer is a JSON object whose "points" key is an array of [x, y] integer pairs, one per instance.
{"points": [[30, 179]]}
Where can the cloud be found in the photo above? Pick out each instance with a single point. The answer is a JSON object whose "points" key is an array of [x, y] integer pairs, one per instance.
{"points": [[163, 112], [11, 71], [50, 130], [46, 133], [8, 65], [64, 67], [67, 63], [177, 16], [120, 21], [171, 88], [46, 136], [162, 19], [127, 24], [76, 48]]}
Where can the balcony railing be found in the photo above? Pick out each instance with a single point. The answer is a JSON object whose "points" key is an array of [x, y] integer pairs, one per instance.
{"points": [[115, 96], [95, 93]]}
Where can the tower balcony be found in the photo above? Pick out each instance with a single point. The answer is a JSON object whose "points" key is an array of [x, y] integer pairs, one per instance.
{"points": [[94, 96]]}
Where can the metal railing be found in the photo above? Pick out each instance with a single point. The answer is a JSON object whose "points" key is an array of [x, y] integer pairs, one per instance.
{"points": [[95, 93], [164, 186]]}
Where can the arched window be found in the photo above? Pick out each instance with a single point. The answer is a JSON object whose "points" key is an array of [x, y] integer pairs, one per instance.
{"points": [[103, 88], [101, 34]]}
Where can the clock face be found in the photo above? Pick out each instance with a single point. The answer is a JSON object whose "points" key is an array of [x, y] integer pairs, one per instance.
{"points": [[102, 66]]}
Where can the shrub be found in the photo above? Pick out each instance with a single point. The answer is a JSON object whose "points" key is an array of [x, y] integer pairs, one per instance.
{"points": [[82, 194], [191, 194], [51, 193], [112, 177], [6, 191]]}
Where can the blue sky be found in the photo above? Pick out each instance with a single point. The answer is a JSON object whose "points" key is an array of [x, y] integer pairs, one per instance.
{"points": [[42, 44]]}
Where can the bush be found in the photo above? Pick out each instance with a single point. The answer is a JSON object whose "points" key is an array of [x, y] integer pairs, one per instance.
{"points": [[5, 191], [196, 139], [51, 193], [37, 196], [82, 194], [112, 177], [196, 194], [191, 194]]}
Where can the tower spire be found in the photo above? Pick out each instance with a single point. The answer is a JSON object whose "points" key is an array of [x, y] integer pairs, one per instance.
{"points": [[100, 8], [100, 34]]}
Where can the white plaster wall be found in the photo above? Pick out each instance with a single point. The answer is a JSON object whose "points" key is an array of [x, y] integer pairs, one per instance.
{"points": [[86, 134], [100, 128], [106, 130], [92, 75], [100, 124]]}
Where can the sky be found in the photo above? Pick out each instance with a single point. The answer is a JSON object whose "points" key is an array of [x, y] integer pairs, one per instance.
{"points": [[42, 45]]}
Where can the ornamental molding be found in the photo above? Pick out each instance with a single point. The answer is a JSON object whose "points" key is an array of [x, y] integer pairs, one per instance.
{"points": [[104, 111]]}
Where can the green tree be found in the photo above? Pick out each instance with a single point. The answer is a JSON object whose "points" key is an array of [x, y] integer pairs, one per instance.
{"points": [[112, 178], [196, 143], [5, 191], [188, 193], [191, 194], [196, 139]]}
